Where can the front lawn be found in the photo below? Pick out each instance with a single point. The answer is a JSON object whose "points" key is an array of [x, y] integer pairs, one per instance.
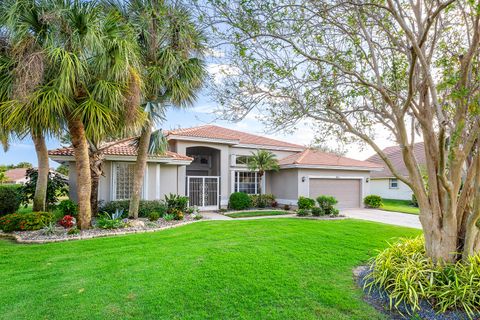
{"points": [[404, 206], [253, 269], [260, 213]]}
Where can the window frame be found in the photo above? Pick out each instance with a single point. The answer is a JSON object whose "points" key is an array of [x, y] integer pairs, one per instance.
{"points": [[236, 181], [114, 180], [393, 181]]}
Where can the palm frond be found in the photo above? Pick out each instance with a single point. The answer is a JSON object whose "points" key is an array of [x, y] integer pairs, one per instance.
{"points": [[158, 144]]}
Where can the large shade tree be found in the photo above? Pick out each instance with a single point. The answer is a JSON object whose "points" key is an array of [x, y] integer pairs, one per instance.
{"points": [[90, 63], [361, 69], [171, 47]]}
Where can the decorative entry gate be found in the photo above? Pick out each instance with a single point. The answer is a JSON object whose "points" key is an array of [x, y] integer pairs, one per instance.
{"points": [[203, 192]]}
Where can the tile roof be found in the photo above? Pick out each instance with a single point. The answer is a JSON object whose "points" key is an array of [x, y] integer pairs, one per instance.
{"points": [[217, 132], [16, 174], [394, 153], [123, 147], [312, 157]]}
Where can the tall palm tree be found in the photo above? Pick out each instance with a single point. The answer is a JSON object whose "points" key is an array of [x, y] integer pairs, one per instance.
{"points": [[173, 71], [262, 161], [90, 75]]}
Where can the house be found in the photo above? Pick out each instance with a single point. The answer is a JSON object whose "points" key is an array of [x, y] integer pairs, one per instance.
{"points": [[384, 183], [208, 163], [16, 176]]}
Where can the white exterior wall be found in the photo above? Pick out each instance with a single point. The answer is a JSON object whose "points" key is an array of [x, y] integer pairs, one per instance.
{"points": [[382, 188]]}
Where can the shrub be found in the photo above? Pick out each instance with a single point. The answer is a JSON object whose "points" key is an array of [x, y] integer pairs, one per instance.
{"points": [[305, 203], [25, 221], [414, 201], [73, 230], [146, 207], [57, 186], [303, 212], [239, 201], [168, 217], [317, 212], [9, 199], [178, 214], [154, 216], [286, 207], [68, 208], [262, 200], [68, 221], [175, 201], [326, 203], [373, 201], [49, 229], [274, 204], [110, 221], [408, 276]]}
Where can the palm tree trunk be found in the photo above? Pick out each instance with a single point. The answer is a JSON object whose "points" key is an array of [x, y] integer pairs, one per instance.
{"points": [[40, 197], [82, 164], [96, 170], [142, 154], [94, 194]]}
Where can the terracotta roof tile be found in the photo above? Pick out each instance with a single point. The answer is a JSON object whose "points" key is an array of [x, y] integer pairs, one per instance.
{"points": [[16, 174], [121, 148], [216, 132], [394, 153], [312, 157]]}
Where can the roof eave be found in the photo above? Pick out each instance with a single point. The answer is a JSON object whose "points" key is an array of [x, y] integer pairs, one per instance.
{"points": [[62, 158], [201, 139], [314, 166], [269, 147]]}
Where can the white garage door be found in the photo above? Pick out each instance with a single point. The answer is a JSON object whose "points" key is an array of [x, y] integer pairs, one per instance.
{"points": [[347, 191]]}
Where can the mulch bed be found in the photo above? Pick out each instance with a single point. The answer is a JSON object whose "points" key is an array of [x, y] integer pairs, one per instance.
{"points": [[379, 300], [60, 234]]}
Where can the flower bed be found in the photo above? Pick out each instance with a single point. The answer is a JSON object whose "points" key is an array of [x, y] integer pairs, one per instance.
{"points": [[61, 234]]}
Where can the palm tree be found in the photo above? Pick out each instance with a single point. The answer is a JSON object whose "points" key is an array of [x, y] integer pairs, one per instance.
{"points": [[90, 79], [171, 49], [262, 161]]}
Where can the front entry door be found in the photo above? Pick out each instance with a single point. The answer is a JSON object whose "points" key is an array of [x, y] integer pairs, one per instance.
{"points": [[203, 192]]}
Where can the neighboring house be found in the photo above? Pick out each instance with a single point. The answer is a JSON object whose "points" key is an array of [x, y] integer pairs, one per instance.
{"points": [[384, 183], [208, 163], [16, 176]]}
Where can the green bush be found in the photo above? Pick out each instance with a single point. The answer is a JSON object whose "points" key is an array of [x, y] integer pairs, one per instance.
{"points": [[154, 216], [373, 201], [239, 201], [303, 212], [305, 203], [109, 221], [408, 276], [57, 186], [9, 199], [146, 207], [262, 200], [175, 201], [25, 221], [317, 212], [326, 203], [68, 208]]}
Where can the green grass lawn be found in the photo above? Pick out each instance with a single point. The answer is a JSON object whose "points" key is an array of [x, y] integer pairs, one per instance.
{"points": [[404, 206], [253, 269], [259, 213]]}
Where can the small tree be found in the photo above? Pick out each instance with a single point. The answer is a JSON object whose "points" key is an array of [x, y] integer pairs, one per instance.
{"points": [[262, 161], [57, 186]]}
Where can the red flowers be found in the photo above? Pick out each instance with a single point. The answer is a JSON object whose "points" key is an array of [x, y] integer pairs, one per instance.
{"points": [[68, 221]]}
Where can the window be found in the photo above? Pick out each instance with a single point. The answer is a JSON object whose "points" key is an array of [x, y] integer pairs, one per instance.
{"points": [[393, 183], [203, 160], [246, 182], [242, 160], [124, 175]]}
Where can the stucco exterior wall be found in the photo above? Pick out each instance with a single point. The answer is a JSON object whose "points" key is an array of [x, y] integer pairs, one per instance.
{"points": [[382, 188], [72, 181], [284, 185]]}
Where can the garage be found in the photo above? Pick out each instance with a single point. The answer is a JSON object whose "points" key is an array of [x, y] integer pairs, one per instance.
{"points": [[346, 191]]}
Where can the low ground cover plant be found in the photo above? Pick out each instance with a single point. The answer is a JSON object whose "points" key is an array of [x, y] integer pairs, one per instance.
{"points": [[68, 221], [9, 199], [373, 201], [305, 203], [239, 201], [405, 273], [25, 221], [154, 216], [110, 221]]}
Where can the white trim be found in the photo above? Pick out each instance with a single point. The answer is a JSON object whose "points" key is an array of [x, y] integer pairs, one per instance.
{"points": [[203, 207], [268, 147], [113, 181], [294, 166], [127, 159], [157, 182]]}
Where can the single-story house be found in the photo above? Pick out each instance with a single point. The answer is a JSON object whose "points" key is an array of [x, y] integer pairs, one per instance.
{"points": [[384, 183], [16, 176], [208, 163]]}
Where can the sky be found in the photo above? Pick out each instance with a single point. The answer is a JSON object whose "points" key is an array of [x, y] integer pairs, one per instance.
{"points": [[201, 113]]}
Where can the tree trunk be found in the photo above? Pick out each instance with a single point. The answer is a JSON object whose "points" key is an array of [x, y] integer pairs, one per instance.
{"points": [[140, 165], [96, 170], [40, 197], [94, 194], [82, 164]]}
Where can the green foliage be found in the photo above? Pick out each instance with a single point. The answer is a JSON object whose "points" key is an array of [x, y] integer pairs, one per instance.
{"points": [[414, 200], [263, 160], [154, 216], [239, 201], [68, 208], [63, 169], [177, 213], [109, 221], [146, 207], [49, 229], [175, 201], [305, 203], [57, 186], [262, 200], [168, 217], [373, 201], [408, 276], [303, 212], [317, 212], [9, 199], [73, 231], [25, 221], [326, 203]]}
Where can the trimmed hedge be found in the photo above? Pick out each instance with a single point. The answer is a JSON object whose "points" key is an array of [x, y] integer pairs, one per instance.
{"points": [[9, 199], [262, 201], [305, 203], [326, 204], [239, 201], [373, 201], [146, 207], [25, 221]]}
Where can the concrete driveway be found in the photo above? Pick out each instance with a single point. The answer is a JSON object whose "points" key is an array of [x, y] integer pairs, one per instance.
{"points": [[395, 218]]}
